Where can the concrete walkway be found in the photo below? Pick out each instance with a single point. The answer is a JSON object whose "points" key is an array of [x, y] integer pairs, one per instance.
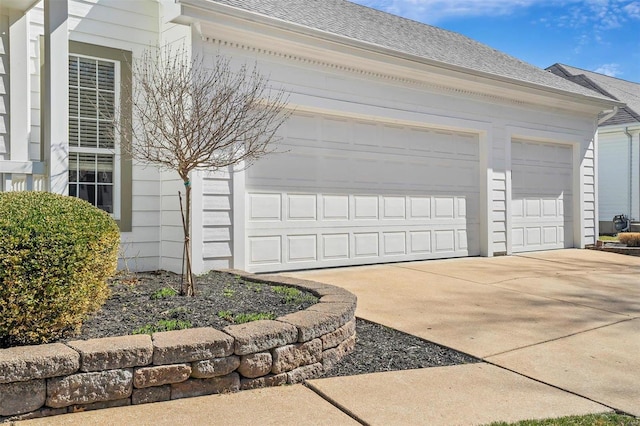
{"points": [[559, 331]]}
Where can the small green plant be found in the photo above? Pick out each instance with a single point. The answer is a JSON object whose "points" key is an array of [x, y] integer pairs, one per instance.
{"points": [[226, 315], [291, 295], [242, 318], [256, 287], [164, 293], [162, 325], [631, 239], [228, 292]]}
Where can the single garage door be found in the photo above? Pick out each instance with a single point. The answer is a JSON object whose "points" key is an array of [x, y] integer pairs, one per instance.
{"points": [[348, 192], [542, 196]]}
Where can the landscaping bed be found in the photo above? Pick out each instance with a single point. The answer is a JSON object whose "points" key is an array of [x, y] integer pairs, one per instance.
{"points": [[132, 306], [130, 358]]}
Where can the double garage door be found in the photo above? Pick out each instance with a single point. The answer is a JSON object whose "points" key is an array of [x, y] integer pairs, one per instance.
{"points": [[348, 192]]}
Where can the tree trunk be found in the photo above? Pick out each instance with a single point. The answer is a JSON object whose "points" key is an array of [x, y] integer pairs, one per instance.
{"points": [[188, 287]]}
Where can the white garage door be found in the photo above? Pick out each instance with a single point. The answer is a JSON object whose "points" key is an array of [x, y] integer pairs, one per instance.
{"points": [[349, 192], [542, 198]]}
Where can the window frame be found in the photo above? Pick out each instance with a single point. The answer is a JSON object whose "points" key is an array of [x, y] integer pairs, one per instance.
{"points": [[124, 59], [116, 150]]}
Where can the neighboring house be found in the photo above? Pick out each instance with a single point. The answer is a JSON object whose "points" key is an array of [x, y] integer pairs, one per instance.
{"points": [[408, 142], [618, 146]]}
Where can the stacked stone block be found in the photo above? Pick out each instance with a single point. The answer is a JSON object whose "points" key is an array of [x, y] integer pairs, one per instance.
{"points": [[45, 380]]}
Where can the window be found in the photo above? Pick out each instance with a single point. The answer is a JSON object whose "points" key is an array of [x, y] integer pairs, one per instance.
{"points": [[93, 151]]}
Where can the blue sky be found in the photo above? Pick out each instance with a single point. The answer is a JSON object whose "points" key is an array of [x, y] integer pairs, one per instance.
{"points": [[596, 35]]}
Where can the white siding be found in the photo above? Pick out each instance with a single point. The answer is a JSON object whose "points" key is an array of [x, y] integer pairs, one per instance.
{"points": [[498, 192], [614, 175], [171, 230], [217, 220], [589, 189], [131, 26], [4, 88]]}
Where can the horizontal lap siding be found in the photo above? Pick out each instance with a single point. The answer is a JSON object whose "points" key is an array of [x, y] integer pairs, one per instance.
{"points": [[589, 204], [127, 25], [614, 175], [498, 193], [4, 89], [217, 220]]}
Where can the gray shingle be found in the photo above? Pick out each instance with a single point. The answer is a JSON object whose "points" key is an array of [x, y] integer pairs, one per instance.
{"points": [[621, 90], [364, 24]]}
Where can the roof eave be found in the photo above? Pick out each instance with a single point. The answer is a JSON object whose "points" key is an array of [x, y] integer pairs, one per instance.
{"points": [[212, 6]]}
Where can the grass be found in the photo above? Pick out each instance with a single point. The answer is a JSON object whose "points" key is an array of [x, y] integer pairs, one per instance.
{"points": [[162, 325], [291, 295], [242, 318], [164, 293], [607, 238], [588, 420]]}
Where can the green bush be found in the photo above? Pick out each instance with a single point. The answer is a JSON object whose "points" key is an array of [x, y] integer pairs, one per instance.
{"points": [[56, 253]]}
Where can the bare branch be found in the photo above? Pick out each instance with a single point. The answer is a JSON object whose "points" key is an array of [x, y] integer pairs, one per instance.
{"points": [[190, 114]]}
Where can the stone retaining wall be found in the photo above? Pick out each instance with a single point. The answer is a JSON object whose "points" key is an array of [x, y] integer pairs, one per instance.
{"points": [[57, 378]]}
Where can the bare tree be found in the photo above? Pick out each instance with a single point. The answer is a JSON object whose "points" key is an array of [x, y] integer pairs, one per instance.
{"points": [[190, 114]]}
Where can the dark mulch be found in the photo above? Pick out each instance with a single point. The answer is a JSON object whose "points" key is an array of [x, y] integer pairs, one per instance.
{"points": [[131, 306]]}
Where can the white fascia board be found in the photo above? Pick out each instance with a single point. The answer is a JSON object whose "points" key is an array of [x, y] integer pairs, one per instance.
{"points": [[203, 10], [619, 128]]}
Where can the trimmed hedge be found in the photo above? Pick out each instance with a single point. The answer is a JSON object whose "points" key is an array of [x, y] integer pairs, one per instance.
{"points": [[56, 253]]}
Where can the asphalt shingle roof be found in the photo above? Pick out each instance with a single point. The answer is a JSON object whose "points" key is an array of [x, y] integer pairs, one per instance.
{"points": [[621, 90], [364, 24]]}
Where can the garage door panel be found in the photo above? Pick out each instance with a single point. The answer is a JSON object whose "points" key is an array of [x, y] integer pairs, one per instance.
{"points": [[285, 210], [353, 192], [541, 196], [335, 207], [366, 245], [302, 207]]}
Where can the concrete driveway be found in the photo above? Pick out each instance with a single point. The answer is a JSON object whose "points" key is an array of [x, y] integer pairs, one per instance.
{"points": [[567, 318]]}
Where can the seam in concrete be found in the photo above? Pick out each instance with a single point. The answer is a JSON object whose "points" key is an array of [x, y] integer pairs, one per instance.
{"points": [[496, 284], [616, 410], [559, 338], [439, 275], [336, 404]]}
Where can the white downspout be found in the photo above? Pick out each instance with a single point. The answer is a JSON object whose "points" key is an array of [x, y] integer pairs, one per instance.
{"points": [[630, 136], [608, 114]]}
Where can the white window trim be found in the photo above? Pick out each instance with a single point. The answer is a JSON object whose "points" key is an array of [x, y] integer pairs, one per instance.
{"points": [[117, 175]]}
